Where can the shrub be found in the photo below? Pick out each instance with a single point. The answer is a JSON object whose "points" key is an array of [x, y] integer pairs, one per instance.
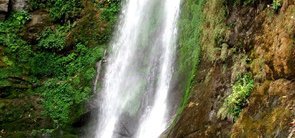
{"points": [[110, 12], [60, 10], [39, 4], [276, 4], [16, 47], [54, 39], [70, 84], [62, 76], [63, 10], [59, 96], [235, 102], [45, 65], [15, 21]]}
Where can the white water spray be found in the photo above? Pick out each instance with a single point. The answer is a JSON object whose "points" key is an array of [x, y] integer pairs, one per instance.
{"points": [[139, 70]]}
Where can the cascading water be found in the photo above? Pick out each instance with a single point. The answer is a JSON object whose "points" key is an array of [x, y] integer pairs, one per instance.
{"points": [[139, 71]]}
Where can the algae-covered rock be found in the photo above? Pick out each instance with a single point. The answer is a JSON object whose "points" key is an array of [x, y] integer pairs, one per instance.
{"points": [[21, 114]]}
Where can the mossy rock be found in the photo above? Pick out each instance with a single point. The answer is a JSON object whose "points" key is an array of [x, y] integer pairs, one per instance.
{"points": [[21, 114], [39, 21]]}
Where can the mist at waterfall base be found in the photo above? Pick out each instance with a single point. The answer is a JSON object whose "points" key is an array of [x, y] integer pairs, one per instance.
{"points": [[136, 84]]}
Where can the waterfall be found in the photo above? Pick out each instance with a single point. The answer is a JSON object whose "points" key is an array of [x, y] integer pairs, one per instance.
{"points": [[139, 70]]}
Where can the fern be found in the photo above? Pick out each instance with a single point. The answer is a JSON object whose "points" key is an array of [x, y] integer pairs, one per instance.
{"points": [[235, 102]]}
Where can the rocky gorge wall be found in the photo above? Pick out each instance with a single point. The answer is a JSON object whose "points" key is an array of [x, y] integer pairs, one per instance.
{"points": [[242, 37]]}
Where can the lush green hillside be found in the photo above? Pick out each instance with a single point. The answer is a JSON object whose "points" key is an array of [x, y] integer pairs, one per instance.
{"points": [[48, 53]]}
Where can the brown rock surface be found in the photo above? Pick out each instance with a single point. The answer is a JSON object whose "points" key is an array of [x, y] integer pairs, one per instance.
{"points": [[3, 8], [267, 41]]}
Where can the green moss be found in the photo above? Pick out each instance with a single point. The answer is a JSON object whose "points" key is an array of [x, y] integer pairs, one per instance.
{"points": [[60, 11], [189, 50], [201, 28]]}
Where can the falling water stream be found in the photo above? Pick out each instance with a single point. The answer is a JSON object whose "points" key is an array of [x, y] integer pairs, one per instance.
{"points": [[139, 70]]}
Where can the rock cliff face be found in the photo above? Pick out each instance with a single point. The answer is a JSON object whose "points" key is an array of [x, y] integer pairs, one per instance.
{"points": [[3, 8], [256, 39]]}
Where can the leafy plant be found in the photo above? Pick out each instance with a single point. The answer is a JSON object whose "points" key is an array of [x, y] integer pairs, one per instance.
{"points": [[235, 102], [54, 39], [60, 95], [60, 10], [65, 9], [69, 85], [39, 4], [15, 21], [17, 48], [110, 12], [62, 75], [276, 4]]}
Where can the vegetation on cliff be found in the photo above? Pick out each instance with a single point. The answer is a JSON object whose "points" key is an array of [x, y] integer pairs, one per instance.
{"points": [[235, 102], [241, 37], [50, 52]]}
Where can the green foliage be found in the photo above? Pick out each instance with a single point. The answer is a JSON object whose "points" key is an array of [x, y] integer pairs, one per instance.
{"points": [[99, 27], [70, 84], [60, 10], [60, 96], [63, 78], [39, 4], [235, 102], [15, 46], [65, 9], [20, 18], [44, 65], [14, 22], [276, 4], [110, 12], [190, 30], [54, 39], [68, 72]]}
